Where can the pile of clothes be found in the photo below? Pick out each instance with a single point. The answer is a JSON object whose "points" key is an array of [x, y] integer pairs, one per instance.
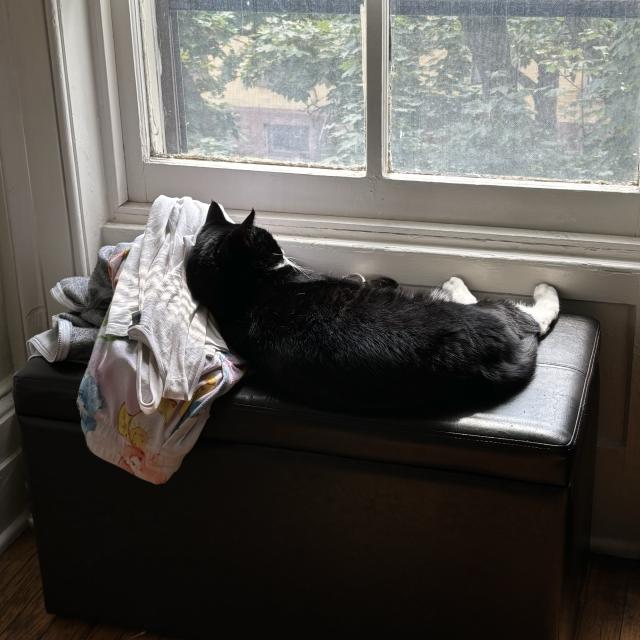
{"points": [[156, 360]]}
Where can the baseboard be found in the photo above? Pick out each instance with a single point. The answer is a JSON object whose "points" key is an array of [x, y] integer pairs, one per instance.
{"points": [[15, 528], [9, 432], [615, 547], [13, 499]]}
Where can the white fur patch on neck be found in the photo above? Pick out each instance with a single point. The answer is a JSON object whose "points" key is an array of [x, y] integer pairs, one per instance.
{"points": [[285, 262]]}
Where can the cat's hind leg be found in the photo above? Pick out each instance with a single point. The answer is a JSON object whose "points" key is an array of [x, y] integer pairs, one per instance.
{"points": [[457, 291], [546, 306]]}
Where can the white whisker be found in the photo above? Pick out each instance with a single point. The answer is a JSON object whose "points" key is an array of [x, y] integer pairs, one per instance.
{"points": [[287, 262]]}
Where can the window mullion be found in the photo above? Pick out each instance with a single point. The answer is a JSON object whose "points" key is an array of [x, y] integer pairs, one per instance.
{"points": [[376, 48]]}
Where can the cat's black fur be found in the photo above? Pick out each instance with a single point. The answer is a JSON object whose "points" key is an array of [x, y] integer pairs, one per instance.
{"points": [[336, 342]]}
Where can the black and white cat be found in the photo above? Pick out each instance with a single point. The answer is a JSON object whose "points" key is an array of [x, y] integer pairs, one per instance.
{"points": [[336, 342]]}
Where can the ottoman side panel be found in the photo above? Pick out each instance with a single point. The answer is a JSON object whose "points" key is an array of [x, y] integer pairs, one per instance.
{"points": [[252, 537]]}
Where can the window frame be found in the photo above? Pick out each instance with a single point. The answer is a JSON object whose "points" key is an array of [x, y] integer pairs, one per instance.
{"points": [[374, 194]]}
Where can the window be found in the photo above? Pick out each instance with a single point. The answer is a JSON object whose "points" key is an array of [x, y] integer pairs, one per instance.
{"points": [[519, 113], [544, 89], [290, 142], [228, 74]]}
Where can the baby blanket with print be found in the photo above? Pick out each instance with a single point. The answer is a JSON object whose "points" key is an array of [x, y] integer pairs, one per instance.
{"points": [[158, 361]]}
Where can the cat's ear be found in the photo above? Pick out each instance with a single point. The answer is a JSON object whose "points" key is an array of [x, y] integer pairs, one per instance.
{"points": [[217, 215], [248, 221]]}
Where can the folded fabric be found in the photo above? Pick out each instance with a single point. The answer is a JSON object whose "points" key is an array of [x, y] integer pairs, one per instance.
{"points": [[64, 341], [73, 333], [159, 360]]}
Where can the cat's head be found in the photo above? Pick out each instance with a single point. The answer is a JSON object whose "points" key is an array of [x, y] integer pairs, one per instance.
{"points": [[240, 247]]}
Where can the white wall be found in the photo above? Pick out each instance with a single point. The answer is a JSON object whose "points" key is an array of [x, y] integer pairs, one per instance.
{"points": [[35, 235]]}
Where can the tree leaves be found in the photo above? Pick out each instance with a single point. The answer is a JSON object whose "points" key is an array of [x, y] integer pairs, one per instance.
{"points": [[552, 98]]}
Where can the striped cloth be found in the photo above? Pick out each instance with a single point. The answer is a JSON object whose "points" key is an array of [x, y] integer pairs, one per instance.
{"points": [[153, 307], [158, 361]]}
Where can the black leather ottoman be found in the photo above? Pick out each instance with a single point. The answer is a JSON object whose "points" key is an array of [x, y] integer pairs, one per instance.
{"points": [[300, 521]]}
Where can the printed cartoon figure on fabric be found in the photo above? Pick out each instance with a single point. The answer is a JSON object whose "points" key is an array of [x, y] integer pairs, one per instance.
{"points": [[159, 360]]}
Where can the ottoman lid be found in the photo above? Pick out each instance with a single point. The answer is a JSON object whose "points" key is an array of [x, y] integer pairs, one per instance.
{"points": [[532, 436]]}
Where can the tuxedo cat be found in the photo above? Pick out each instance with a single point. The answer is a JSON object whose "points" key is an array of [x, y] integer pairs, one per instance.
{"points": [[341, 343]]}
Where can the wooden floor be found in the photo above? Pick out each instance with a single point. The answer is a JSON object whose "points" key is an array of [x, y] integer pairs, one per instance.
{"points": [[611, 610]]}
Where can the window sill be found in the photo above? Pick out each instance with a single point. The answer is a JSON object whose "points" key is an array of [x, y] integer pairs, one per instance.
{"points": [[496, 259]]}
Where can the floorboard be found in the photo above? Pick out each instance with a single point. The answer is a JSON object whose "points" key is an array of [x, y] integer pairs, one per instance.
{"points": [[11, 563], [631, 619], [603, 610], [102, 632], [611, 609], [30, 622], [23, 594]]}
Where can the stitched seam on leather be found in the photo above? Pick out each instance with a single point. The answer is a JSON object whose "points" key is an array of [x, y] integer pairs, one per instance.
{"points": [[568, 367], [585, 388], [400, 463], [513, 442]]}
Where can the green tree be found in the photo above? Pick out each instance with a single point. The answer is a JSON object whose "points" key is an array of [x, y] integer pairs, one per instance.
{"points": [[552, 98], [208, 64], [477, 95], [315, 60]]}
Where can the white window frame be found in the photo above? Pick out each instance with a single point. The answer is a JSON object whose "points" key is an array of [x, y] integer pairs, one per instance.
{"points": [[374, 194]]}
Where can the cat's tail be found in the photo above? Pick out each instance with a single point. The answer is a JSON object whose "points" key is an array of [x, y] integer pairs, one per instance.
{"points": [[545, 307]]}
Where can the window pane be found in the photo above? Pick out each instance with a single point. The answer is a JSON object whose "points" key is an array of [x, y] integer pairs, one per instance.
{"points": [[278, 81], [545, 89]]}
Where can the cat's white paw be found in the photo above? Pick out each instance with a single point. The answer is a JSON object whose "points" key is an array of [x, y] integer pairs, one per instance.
{"points": [[458, 292], [546, 306], [545, 292], [546, 297]]}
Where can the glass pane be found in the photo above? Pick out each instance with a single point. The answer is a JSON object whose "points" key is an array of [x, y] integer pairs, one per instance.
{"points": [[277, 81], [543, 89]]}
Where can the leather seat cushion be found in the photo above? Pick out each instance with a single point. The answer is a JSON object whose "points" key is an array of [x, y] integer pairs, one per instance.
{"points": [[532, 436]]}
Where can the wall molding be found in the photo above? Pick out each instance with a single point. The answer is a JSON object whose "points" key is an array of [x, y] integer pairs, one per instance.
{"points": [[108, 102], [10, 283], [614, 547], [67, 136], [13, 530], [73, 50], [6, 399], [426, 254], [607, 247], [12, 482], [10, 449]]}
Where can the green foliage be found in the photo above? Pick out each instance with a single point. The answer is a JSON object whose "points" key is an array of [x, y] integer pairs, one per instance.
{"points": [[452, 116], [613, 96], [550, 98], [315, 60], [207, 67]]}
